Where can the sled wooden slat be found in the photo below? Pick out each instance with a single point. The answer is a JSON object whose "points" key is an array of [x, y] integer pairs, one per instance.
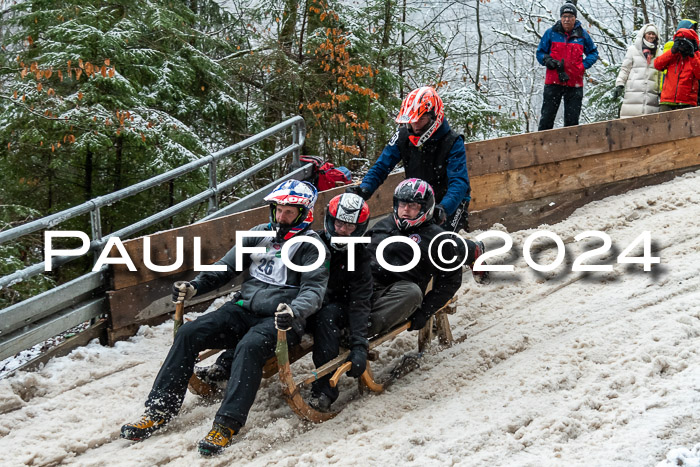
{"points": [[295, 353], [291, 391], [444, 332], [340, 359], [342, 369], [367, 379]]}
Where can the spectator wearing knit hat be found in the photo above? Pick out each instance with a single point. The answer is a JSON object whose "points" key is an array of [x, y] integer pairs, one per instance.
{"points": [[562, 50]]}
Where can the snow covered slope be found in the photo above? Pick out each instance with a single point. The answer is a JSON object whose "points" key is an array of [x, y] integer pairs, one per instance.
{"points": [[557, 368]]}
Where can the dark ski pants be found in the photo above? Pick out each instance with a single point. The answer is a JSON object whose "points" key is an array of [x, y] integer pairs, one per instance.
{"points": [[667, 107], [327, 325], [230, 327], [392, 305], [551, 99]]}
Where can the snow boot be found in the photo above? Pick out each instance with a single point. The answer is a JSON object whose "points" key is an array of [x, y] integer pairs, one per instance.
{"points": [[212, 374], [219, 438], [149, 423], [320, 402], [481, 277]]}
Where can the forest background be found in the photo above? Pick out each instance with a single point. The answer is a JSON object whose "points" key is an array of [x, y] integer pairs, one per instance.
{"points": [[96, 96]]}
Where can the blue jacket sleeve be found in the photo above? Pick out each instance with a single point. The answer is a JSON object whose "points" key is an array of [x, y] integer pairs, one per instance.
{"points": [[388, 159], [458, 188], [590, 50], [545, 46]]}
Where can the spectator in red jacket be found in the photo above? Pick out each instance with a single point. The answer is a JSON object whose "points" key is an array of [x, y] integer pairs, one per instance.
{"points": [[567, 51], [682, 63]]}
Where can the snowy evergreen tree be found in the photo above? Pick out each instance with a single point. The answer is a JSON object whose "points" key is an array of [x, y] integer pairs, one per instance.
{"points": [[470, 114], [98, 96]]}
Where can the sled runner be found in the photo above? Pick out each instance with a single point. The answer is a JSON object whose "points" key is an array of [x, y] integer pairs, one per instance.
{"points": [[438, 324]]}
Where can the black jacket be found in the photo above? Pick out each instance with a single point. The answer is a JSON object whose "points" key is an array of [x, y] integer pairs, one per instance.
{"points": [[428, 162], [445, 283], [351, 290]]}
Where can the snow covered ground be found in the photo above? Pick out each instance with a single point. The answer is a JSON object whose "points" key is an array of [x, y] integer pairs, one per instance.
{"points": [[557, 368]]}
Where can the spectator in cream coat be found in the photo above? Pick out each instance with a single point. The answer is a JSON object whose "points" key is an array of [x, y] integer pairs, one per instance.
{"points": [[638, 79]]}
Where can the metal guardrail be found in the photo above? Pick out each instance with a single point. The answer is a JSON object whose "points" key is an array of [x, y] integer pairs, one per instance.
{"points": [[34, 320], [93, 206]]}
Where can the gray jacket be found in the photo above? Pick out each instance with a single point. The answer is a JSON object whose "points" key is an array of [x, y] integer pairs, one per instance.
{"points": [[303, 291]]}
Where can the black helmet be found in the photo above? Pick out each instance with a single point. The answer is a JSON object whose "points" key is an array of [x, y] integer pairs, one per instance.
{"points": [[414, 190]]}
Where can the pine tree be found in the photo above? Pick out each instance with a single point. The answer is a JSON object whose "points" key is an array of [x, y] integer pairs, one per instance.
{"points": [[97, 96], [102, 95], [336, 64]]}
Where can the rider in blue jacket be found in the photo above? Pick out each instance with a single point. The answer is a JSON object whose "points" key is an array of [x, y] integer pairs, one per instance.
{"points": [[430, 150]]}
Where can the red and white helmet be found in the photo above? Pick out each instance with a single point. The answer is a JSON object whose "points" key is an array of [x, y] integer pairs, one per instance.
{"points": [[349, 208], [414, 190], [419, 102]]}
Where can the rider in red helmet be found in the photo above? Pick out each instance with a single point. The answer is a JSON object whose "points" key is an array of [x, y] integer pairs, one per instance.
{"points": [[346, 306], [430, 150]]}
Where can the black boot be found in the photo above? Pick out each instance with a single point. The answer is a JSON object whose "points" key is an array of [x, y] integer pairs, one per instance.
{"points": [[219, 438], [150, 422]]}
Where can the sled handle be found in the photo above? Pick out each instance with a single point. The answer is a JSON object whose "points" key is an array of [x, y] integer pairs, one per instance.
{"points": [[339, 372], [179, 312]]}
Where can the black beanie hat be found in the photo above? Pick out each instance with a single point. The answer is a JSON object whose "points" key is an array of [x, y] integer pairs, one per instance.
{"points": [[568, 8]]}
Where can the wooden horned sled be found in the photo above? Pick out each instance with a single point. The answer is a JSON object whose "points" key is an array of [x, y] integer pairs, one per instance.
{"points": [[438, 324]]}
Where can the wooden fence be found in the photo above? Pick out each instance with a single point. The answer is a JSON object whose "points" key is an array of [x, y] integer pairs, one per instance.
{"points": [[519, 181]]}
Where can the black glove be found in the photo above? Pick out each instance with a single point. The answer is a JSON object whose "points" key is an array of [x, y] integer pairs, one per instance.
{"points": [[358, 358], [675, 49], [550, 63], [439, 214], [359, 190], [183, 290], [418, 321], [284, 317], [563, 76], [619, 91]]}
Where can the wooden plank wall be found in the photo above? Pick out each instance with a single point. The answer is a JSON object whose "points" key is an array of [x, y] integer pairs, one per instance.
{"points": [[519, 181]]}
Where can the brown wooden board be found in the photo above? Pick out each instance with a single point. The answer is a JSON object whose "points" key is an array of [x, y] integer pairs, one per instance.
{"points": [[508, 197], [503, 188], [528, 151], [124, 333], [555, 208], [142, 295], [142, 302], [218, 236], [544, 147]]}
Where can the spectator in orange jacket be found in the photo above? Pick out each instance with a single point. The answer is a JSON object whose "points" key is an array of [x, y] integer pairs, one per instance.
{"points": [[682, 63]]}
